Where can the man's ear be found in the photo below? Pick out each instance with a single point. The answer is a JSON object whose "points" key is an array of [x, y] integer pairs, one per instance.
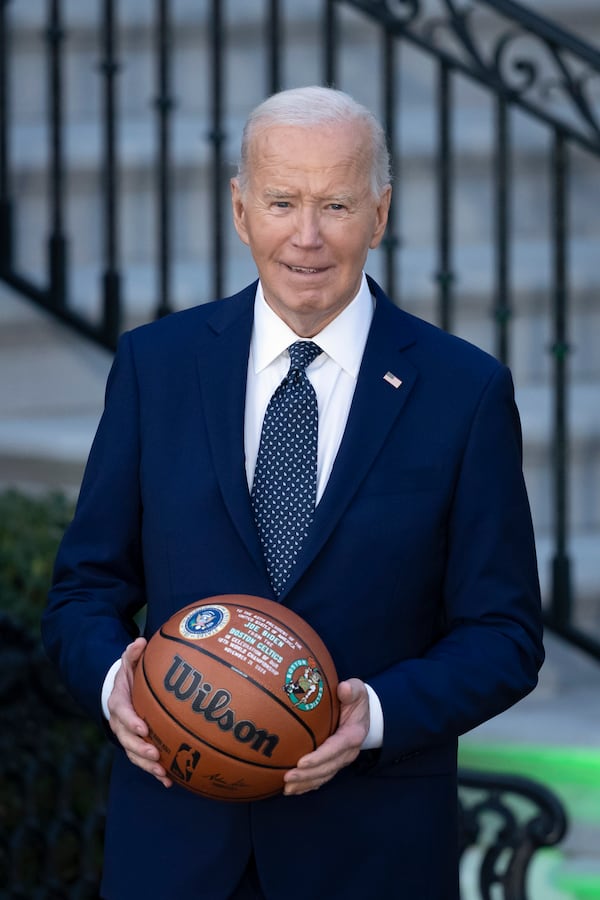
{"points": [[238, 210], [383, 209]]}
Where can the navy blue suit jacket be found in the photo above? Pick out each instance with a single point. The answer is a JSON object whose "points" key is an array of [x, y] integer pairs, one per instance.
{"points": [[419, 573]]}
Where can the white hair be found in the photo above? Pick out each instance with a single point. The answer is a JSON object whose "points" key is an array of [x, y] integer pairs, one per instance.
{"points": [[316, 105]]}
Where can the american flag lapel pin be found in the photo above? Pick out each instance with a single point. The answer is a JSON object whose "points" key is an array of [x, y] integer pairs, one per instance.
{"points": [[392, 379]]}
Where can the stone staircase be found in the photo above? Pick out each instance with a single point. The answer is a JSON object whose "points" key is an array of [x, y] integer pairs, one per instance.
{"points": [[51, 396], [52, 381]]}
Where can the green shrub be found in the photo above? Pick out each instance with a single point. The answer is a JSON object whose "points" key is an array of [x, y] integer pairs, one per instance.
{"points": [[30, 532], [53, 763]]}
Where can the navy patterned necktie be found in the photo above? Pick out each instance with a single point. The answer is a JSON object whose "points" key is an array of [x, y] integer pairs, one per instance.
{"points": [[285, 480]]}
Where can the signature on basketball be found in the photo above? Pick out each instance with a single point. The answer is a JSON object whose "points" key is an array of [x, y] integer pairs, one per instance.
{"points": [[217, 778]]}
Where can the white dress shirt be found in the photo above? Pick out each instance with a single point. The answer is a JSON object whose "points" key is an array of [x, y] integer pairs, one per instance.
{"points": [[333, 375]]}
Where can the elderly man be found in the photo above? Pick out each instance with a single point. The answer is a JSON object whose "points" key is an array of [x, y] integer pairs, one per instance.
{"points": [[409, 547]]}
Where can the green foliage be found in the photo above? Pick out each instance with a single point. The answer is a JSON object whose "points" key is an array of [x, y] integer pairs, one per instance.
{"points": [[30, 532], [53, 763]]}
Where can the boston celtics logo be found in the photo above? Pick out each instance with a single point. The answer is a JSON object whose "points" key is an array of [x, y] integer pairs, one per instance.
{"points": [[303, 683], [203, 622]]}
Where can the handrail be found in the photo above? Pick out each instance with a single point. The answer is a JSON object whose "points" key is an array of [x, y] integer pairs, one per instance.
{"points": [[547, 29], [524, 81]]}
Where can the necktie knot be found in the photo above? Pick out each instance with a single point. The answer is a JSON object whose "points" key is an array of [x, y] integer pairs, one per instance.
{"points": [[302, 353]]}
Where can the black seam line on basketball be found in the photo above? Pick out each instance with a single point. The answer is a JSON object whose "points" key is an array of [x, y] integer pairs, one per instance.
{"points": [[257, 684], [311, 652], [259, 763]]}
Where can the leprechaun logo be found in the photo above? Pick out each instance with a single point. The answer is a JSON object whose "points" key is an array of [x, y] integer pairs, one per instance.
{"points": [[303, 684]]}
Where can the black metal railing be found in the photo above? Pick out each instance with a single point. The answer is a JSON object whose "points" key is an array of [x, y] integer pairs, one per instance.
{"points": [[524, 64], [54, 768], [563, 68]]}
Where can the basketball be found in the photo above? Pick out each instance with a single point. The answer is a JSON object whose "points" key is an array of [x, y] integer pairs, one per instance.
{"points": [[234, 690]]}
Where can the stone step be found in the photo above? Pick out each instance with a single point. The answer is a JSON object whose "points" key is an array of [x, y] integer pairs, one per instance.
{"points": [[51, 395]]}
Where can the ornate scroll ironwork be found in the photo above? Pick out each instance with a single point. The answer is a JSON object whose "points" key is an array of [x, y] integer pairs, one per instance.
{"points": [[506, 819], [526, 58]]}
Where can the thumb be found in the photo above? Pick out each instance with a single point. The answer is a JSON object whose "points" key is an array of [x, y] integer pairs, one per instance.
{"points": [[350, 691], [133, 652]]}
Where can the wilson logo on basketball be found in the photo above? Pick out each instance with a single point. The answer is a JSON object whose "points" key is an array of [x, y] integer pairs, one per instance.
{"points": [[187, 685]]}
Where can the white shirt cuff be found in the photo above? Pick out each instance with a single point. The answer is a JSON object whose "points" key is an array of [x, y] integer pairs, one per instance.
{"points": [[108, 685], [374, 738]]}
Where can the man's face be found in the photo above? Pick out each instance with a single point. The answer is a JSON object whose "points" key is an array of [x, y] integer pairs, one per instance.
{"points": [[309, 216]]}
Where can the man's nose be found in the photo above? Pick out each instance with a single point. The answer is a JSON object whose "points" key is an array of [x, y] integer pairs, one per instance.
{"points": [[308, 228]]}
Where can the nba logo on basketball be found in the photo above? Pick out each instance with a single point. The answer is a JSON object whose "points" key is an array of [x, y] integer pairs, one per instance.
{"points": [[184, 762]]}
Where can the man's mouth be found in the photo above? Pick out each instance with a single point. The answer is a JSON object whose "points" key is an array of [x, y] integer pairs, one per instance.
{"points": [[304, 270]]}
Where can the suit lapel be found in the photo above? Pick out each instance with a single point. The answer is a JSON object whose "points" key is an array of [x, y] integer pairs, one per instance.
{"points": [[223, 366], [376, 405]]}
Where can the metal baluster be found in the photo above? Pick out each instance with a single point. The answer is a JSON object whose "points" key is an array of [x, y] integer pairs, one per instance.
{"points": [[111, 281], [274, 40], [164, 105], [502, 310], [390, 240], [6, 206], [445, 275], [57, 243], [217, 137], [561, 584], [330, 31]]}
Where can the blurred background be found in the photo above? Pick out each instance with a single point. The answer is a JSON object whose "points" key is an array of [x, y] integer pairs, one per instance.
{"points": [[120, 125]]}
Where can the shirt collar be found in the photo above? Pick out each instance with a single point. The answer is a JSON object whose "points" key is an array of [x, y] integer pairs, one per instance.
{"points": [[343, 340]]}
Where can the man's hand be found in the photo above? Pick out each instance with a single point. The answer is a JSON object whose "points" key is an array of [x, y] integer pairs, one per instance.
{"points": [[339, 750], [127, 726]]}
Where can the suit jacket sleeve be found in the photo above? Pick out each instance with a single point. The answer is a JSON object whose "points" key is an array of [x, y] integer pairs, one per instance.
{"points": [[98, 579]]}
